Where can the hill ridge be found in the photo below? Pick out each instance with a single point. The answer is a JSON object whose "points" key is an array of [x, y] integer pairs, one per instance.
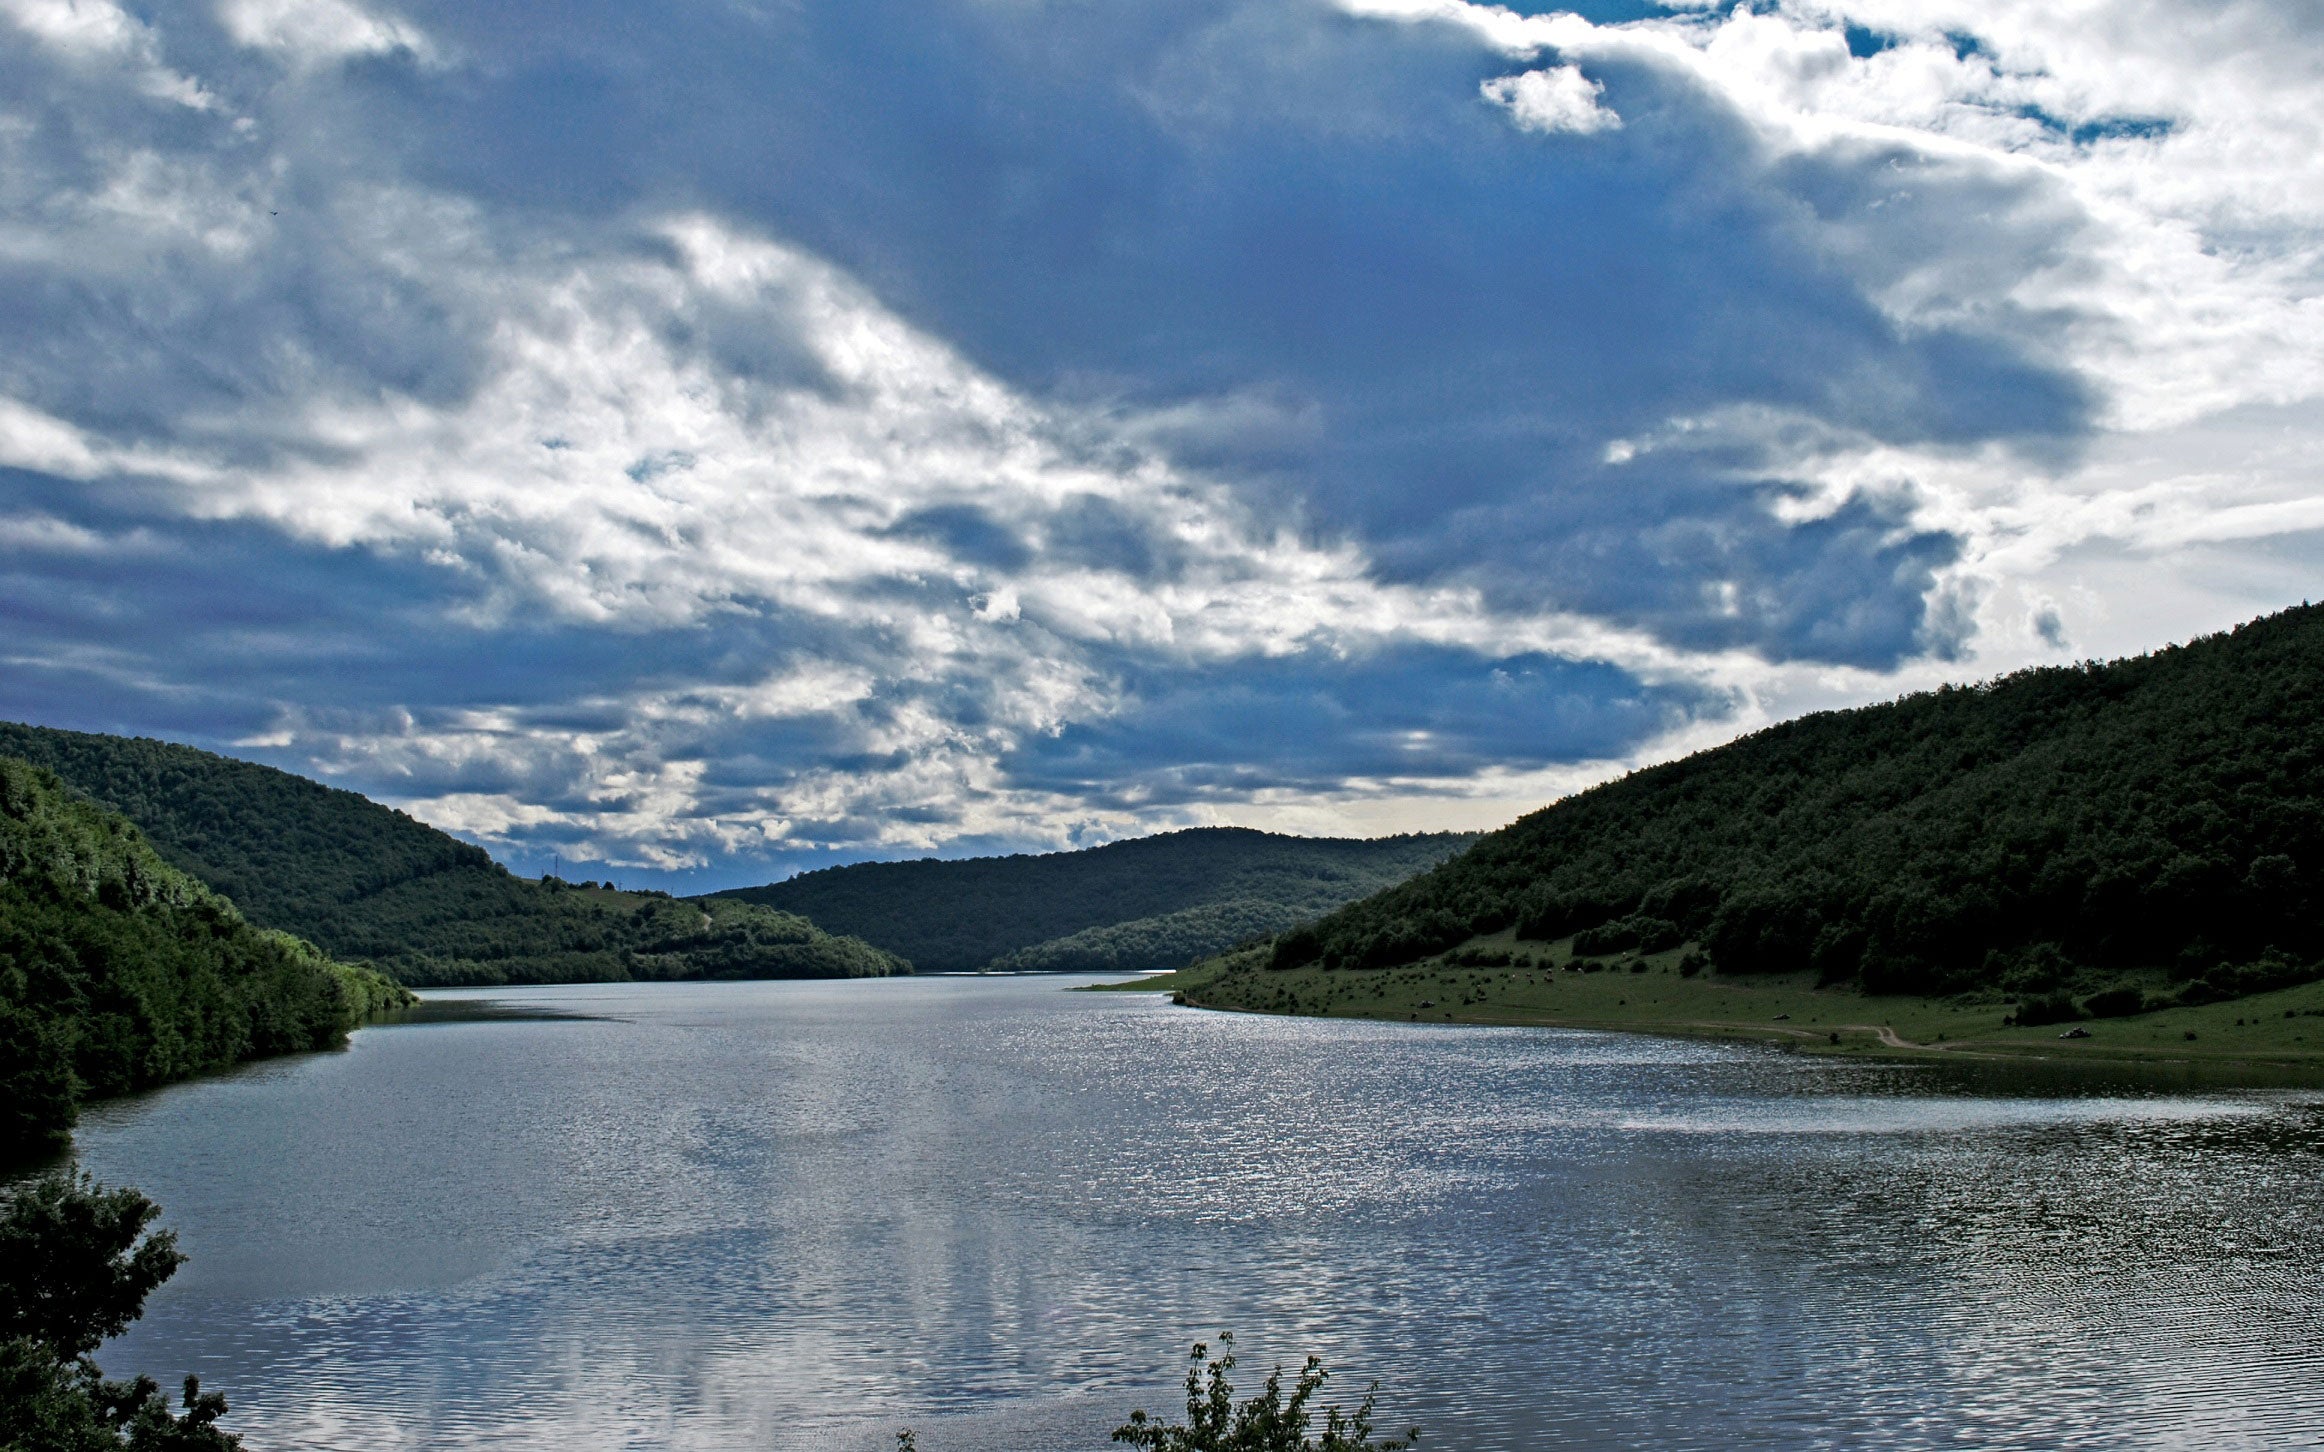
{"points": [[2036, 834], [371, 883], [1022, 910], [118, 972]]}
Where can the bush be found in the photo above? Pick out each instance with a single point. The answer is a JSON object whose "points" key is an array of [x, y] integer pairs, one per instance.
{"points": [[1646, 934], [76, 1264], [2034, 968], [2118, 1002], [1268, 1422], [2052, 1008]]}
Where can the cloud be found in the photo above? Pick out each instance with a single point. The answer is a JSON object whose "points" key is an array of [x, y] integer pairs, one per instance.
{"points": [[1409, 714], [320, 32], [721, 437], [92, 34], [1557, 99]]}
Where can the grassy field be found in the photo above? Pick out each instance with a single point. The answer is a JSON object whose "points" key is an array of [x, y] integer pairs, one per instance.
{"points": [[2273, 1038]]}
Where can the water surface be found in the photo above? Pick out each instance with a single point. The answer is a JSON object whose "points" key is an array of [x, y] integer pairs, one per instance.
{"points": [[803, 1215]]}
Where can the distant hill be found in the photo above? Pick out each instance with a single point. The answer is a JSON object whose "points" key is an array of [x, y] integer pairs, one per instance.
{"points": [[369, 883], [1152, 902], [118, 972], [2038, 835]]}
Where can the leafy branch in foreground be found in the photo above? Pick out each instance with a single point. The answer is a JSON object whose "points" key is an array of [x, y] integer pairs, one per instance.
{"points": [[76, 1264], [1268, 1422]]}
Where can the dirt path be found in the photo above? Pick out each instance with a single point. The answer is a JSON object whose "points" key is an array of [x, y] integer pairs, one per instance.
{"points": [[1880, 1031], [1888, 1036]]}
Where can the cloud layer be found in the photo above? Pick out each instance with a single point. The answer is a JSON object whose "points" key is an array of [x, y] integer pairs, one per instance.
{"points": [[713, 439]]}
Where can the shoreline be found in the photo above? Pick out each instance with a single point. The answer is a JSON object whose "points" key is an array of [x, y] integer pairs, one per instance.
{"points": [[2266, 1040]]}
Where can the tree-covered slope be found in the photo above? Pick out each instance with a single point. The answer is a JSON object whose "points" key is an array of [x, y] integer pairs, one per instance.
{"points": [[1167, 940], [2162, 812], [1153, 902], [367, 882], [118, 972]]}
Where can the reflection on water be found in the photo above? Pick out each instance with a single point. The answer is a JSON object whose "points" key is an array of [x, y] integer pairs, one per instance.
{"points": [[804, 1215], [465, 1008]]}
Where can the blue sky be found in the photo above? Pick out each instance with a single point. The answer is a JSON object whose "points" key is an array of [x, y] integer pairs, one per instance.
{"points": [[707, 440]]}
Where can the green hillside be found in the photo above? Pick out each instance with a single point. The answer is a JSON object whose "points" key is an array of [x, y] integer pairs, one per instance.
{"points": [[2088, 839], [369, 883], [1162, 941], [118, 972], [1154, 902]]}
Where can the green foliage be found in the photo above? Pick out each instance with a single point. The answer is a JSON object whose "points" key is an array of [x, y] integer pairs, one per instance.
{"points": [[73, 1270], [1166, 940], [369, 883], [1643, 931], [2120, 1001], [2051, 828], [1153, 902], [118, 972], [2047, 1008], [1268, 1422], [76, 1264]]}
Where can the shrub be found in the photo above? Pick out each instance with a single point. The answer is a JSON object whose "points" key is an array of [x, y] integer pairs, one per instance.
{"points": [[2117, 1002], [1268, 1422], [1647, 934], [76, 1264], [2051, 1008]]}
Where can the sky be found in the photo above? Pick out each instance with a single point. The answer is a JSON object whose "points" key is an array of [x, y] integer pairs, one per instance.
{"points": [[695, 442]]}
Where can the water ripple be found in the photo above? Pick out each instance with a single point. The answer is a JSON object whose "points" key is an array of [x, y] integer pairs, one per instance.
{"points": [[804, 1215]]}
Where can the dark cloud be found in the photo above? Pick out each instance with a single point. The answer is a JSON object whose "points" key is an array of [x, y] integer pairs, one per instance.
{"points": [[1312, 723], [1713, 565], [968, 533], [1098, 534], [1159, 206], [1294, 251]]}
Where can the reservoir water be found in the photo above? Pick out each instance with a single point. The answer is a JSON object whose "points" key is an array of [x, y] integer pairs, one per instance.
{"points": [[805, 1215]]}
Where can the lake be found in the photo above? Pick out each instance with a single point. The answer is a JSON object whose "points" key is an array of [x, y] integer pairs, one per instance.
{"points": [[805, 1215]]}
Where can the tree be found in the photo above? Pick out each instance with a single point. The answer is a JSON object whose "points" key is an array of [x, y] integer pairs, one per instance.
{"points": [[1268, 1422], [2038, 835], [76, 1264]]}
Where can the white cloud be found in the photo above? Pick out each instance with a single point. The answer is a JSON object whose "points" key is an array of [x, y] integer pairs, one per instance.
{"points": [[321, 32], [1557, 99], [607, 471], [84, 27], [2133, 189], [678, 422], [31, 439], [100, 33]]}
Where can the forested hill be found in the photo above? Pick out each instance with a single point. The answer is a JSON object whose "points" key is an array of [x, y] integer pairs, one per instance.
{"points": [[2044, 832], [367, 882], [118, 972], [1152, 902]]}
